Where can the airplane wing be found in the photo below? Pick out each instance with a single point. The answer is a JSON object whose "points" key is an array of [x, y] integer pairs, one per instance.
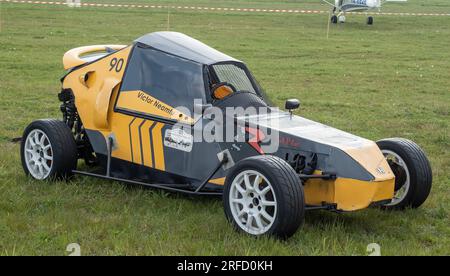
{"points": [[328, 2]]}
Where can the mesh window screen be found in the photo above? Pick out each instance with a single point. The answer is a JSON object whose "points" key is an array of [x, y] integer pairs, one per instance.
{"points": [[234, 75]]}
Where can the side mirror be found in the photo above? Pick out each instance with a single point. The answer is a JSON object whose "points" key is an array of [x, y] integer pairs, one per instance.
{"points": [[222, 90], [292, 104]]}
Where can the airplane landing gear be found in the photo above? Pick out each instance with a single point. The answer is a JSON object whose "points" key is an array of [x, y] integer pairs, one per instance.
{"points": [[370, 20], [334, 19], [342, 19]]}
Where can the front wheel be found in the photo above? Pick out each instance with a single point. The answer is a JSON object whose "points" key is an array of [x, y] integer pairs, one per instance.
{"points": [[412, 170], [264, 196], [48, 150]]}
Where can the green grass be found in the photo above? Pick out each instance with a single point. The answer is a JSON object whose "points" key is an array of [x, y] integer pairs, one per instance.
{"points": [[390, 79]]}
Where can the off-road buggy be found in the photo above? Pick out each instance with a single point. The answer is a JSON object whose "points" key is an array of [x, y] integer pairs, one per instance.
{"points": [[120, 114]]}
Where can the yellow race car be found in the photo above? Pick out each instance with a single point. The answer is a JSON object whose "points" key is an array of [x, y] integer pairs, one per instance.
{"points": [[172, 113]]}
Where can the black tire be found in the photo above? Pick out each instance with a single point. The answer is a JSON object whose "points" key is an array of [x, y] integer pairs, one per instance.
{"points": [[334, 19], [288, 191], [370, 20], [63, 148], [419, 171]]}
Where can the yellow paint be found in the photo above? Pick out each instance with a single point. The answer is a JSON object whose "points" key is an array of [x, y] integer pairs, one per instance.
{"points": [[144, 103], [158, 147], [348, 194], [94, 101], [120, 130], [136, 143], [218, 181], [146, 146], [88, 79], [73, 58], [318, 191], [102, 102], [371, 158]]}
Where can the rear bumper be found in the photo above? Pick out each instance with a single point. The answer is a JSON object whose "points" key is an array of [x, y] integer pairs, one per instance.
{"points": [[348, 194]]}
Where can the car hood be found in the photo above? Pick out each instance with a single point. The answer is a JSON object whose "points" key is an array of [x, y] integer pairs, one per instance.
{"points": [[333, 144], [307, 129]]}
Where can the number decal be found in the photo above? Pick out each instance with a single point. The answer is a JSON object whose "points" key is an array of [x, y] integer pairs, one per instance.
{"points": [[116, 64]]}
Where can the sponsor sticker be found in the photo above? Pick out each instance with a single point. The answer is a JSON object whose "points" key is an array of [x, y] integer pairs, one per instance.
{"points": [[178, 139]]}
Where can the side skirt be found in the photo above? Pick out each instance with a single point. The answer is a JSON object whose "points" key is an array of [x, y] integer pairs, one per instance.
{"points": [[179, 188], [186, 189]]}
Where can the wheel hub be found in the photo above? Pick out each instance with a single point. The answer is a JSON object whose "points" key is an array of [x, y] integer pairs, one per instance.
{"points": [[402, 177], [253, 202], [38, 154], [400, 174]]}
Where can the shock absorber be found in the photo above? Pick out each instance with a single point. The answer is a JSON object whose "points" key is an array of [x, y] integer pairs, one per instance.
{"points": [[68, 107]]}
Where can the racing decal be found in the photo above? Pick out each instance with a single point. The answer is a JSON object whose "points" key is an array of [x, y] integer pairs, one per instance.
{"points": [[289, 142], [116, 64], [145, 139], [178, 139], [146, 144], [142, 102], [256, 137], [157, 145], [134, 140]]}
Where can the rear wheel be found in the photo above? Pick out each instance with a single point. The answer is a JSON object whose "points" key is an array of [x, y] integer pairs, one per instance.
{"points": [[48, 150], [264, 196], [412, 170]]}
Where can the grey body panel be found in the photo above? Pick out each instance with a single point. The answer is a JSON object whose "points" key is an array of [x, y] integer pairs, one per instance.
{"points": [[310, 137], [97, 141], [307, 138], [197, 164], [181, 45]]}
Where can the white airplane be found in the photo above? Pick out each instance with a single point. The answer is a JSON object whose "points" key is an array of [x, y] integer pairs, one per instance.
{"points": [[343, 6]]}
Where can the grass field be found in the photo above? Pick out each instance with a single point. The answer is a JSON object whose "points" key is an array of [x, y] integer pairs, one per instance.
{"points": [[390, 79]]}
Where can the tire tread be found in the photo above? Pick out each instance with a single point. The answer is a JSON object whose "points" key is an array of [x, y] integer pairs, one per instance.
{"points": [[64, 147], [420, 169]]}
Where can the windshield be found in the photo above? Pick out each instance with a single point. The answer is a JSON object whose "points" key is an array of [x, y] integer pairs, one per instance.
{"points": [[238, 76], [234, 75]]}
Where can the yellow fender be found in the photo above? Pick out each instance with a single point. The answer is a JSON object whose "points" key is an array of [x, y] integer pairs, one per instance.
{"points": [[102, 102]]}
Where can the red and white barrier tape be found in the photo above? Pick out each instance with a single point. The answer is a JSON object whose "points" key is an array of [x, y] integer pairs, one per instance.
{"points": [[198, 8]]}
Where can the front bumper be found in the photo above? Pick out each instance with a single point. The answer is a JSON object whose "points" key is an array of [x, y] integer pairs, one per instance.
{"points": [[348, 194]]}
